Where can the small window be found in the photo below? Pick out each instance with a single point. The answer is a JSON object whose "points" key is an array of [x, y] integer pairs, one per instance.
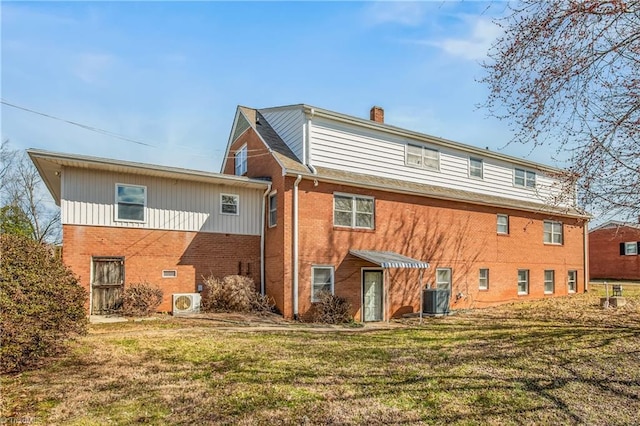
{"points": [[523, 281], [322, 280], [549, 282], [353, 211], [169, 273], [131, 201], [443, 278], [629, 249], [503, 224], [483, 279], [524, 178], [241, 161], [421, 156], [273, 210], [572, 281], [229, 203], [552, 232], [476, 168]]}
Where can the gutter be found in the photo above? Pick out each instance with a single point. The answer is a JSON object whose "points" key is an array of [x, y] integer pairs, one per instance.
{"points": [[262, 229], [295, 246]]}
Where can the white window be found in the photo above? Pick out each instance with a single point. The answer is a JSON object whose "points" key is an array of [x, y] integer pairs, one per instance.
{"points": [[273, 210], [169, 273], [476, 168], [503, 224], [630, 248], [572, 281], [131, 202], [523, 281], [483, 279], [549, 282], [353, 211], [552, 232], [443, 278], [241, 161], [421, 156], [524, 178], [229, 203], [322, 280]]}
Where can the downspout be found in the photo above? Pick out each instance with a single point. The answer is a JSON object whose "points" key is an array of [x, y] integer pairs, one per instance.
{"points": [[295, 246], [262, 230], [585, 233]]}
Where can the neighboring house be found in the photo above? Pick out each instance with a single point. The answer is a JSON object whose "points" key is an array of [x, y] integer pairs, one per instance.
{"points": [[614, 251], [374, 213], [312, 200], [125, 223]]}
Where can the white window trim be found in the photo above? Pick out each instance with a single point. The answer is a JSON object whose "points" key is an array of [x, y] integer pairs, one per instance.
{"points": [[481, 177], [497, 224], [480, 287], [169, 273], [450, 282], [275, 222], [353, 210], [526, 172], [552, 233], [240, 155], [575, 281], [553, 281], [422, 150], [633, 244], [144, 207], [313, 268], [237, 197], [523, 293]]}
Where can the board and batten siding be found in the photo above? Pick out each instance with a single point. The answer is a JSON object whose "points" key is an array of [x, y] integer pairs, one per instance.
{"points": [[367, 151], [88, 198], [289, 124]]}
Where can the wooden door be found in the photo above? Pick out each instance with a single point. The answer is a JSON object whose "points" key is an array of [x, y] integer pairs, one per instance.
{"points": [[107, 285], [372, 295]]}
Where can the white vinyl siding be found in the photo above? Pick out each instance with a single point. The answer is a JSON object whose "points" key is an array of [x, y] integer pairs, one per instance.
{"points": [[289, 124], [549, 282], [353, 211], [321, 280], [346, 147], [552, 232], [503, 224], [523, 281], [88, 199]]}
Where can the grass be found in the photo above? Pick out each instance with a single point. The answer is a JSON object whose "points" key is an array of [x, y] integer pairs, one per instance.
{"points": [[553, 361]]}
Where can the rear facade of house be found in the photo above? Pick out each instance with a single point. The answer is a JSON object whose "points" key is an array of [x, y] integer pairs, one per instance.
{"points": [[614, 251], [349, 196]]}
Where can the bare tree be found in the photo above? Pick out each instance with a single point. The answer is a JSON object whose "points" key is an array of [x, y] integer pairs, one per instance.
{"points": [[566, 74], [22, 189]]}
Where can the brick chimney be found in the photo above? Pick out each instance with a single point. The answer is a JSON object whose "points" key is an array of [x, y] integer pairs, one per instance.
{"points": [[377, 114]]}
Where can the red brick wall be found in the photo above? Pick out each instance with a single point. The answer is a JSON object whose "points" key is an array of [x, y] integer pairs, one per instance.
{"points": [[605, 261], [148, 252]]}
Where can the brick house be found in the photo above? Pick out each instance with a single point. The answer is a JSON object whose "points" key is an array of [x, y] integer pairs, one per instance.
{"points": [[311, 200], [614, 251], [375, 213]]}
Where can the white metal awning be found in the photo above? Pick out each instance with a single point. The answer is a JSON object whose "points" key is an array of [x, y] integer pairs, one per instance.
{"points": [[389, 259]]}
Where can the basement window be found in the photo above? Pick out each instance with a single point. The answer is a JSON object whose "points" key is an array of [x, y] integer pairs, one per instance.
{"points": [[169, 273]]}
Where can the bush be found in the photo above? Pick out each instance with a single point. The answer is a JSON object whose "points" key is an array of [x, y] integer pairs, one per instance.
{"points": [[41, 303], [332, 309], [233, 293], [141, 300]]}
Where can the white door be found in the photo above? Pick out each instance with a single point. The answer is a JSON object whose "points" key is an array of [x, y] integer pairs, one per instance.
{"points": [[372, 291]]}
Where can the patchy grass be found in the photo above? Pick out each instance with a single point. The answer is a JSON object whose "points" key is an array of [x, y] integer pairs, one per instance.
{"points": [[553, 361]]}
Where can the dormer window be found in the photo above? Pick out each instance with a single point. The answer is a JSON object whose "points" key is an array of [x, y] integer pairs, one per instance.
{"points": [[241, 161], [421, 156]]}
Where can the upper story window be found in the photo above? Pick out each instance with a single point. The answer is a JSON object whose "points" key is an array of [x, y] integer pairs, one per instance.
{"points": [[476, 169], [630, 248], [421, 156], [229, 203], [503, 224], [273, 210], [524, 178], [353, 211], [131, 202], [241, 161], [552, 232]]}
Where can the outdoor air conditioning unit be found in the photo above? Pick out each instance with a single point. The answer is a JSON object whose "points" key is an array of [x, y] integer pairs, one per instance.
{"points": [[435, 301], [186, 303]]}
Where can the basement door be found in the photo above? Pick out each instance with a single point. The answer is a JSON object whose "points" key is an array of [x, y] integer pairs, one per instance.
{"points": [[372, 287], [107, 285]]}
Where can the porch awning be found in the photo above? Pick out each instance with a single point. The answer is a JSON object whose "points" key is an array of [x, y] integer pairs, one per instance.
{"points": [[389, 259]]}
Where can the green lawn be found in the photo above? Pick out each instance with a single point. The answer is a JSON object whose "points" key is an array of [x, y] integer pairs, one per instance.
{"points": [[555, 361]]}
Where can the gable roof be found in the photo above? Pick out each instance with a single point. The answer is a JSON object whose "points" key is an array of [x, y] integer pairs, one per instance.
{"points": [[616, 224], [51, 164]]}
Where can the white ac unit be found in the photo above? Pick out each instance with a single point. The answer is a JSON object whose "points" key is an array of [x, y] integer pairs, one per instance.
{"points": [[186, 303]]}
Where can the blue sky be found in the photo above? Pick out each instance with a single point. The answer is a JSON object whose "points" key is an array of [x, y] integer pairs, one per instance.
{"points": [[170, 74]]}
